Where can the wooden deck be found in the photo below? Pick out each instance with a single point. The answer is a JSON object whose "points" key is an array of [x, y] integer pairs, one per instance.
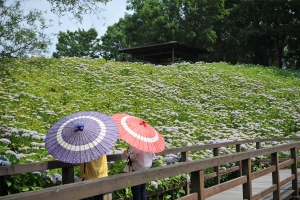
{"points": [[258, 185]]}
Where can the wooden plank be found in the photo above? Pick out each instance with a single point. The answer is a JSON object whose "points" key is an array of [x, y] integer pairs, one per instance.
{"points": [[193, 196], [184, 158], [265, 192], [224, 171], [279, 139], [217, 167], [238, 163], [229, 170], [225, 186], [197, 183], [207, 146], [258, 145], [286, 163], [276, 176], [287, 180], [246, 171], [38, 166], [201, 196], [210, 175], [68, 175], [263, 172], [294, 170], [31, 167]]}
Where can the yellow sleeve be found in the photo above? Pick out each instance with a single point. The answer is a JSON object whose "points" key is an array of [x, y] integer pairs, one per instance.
{"points": [[94, 169]]}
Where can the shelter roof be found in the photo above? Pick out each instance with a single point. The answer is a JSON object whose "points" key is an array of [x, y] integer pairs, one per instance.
{"points": [[164, 52]]}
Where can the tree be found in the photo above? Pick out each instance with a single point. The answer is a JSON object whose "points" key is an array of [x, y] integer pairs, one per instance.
{"points": [[260, 32], [78, 44], [157, 21], [23, 34], [19, 33], [113, 40]]}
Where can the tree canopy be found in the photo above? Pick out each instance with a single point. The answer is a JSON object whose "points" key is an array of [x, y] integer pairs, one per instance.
{"points": [[79, 43], [235, 31]]}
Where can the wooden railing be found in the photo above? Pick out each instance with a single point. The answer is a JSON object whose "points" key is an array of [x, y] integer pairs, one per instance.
{"points": [[78, 190]]}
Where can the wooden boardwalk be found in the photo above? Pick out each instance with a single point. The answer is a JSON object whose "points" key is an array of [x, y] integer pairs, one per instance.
{"points": [[258, 185]]}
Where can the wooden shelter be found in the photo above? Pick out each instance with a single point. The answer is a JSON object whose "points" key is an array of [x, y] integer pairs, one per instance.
{"points": [[164, 52]]}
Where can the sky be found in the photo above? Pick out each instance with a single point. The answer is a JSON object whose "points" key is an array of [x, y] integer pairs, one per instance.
{"points": [[113, 11]]}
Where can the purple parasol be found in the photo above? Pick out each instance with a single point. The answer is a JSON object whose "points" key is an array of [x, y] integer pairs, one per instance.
{"points": [[81, 137]]}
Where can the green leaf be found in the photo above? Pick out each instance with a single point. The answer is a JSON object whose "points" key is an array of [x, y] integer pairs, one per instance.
{"points": [[25, 189], [8, 183]]}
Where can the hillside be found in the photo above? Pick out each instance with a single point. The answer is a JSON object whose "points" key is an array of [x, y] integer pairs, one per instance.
{"points": [[190, 104]]}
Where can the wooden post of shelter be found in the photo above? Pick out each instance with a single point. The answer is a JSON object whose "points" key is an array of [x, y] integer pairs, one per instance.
{"points": [[197, 183], [173, 55], [216, 168], [247, 187], [184, 158], [294, 169], [276, 175]]}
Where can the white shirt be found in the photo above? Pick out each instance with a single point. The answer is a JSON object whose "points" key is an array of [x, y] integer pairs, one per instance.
{"points": [[143, 160]]}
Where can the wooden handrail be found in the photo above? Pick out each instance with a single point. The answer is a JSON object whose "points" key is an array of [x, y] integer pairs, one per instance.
{"points": [[120, 181], [38, 166], [115, 182]]}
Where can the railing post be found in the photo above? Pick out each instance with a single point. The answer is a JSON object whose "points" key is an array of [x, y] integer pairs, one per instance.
{"points": [[295, 172], [216, 168], [247, 187], [275, 175], [68, 175], [184, 158], [1, 182], [197, 183], [238, 163], [258, 145]]}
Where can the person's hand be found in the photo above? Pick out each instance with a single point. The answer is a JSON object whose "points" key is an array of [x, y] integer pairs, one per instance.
{"points": [[126, 153]]}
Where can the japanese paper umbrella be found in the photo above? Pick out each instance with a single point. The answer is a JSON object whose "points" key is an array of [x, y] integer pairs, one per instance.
{"points": [[81, 137], [138, 133]]}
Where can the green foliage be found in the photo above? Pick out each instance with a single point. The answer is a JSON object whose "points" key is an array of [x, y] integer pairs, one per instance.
{"points": [[27, 182], [113, 40], [79, 43], [21, 34]]}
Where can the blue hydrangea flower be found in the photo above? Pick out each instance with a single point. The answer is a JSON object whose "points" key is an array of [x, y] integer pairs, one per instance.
{"points": [[76, 178], [57, 176]]}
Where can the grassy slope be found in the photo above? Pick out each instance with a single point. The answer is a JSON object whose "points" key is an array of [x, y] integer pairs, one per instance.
{"points": [[206, 102]]}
